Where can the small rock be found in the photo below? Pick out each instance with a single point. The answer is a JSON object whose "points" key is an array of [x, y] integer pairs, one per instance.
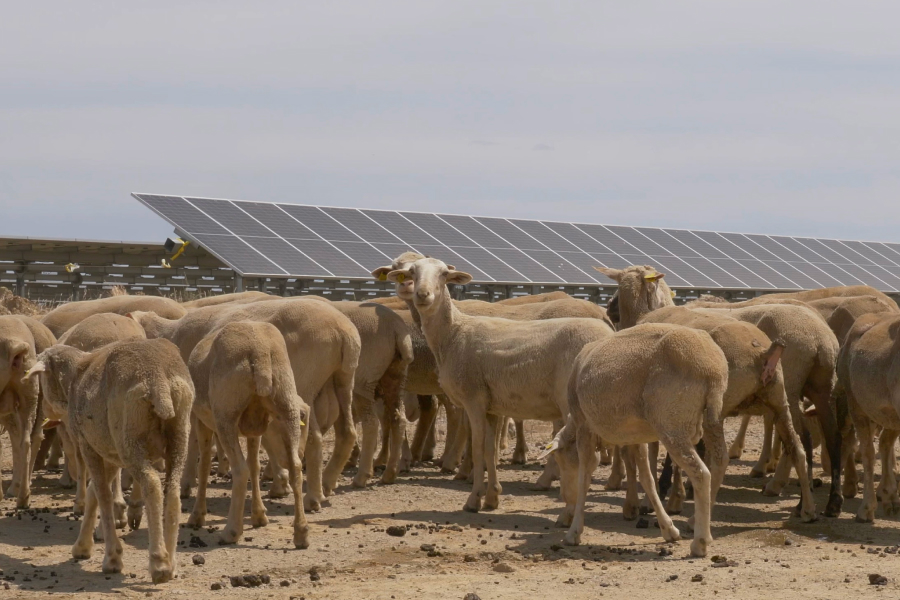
{"points": [[671, 578], [237, 581], [556, 547], [427, 547], [198, 560], [503, 568], [642, 523], [396, 530], [469, 558], [284, 583], [718, 558], [697, 578], [471, 596], [788, 542], [216, 586], [876, 579], [664, 552]]}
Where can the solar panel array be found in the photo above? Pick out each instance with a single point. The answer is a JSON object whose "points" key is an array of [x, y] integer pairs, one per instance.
{"points": [[291, 240]]}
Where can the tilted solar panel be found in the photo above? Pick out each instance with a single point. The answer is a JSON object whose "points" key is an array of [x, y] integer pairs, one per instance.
{"points": [[291, 240]]}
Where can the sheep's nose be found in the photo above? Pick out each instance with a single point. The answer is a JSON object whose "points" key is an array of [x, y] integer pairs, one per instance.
{"points": [[423, 294]]}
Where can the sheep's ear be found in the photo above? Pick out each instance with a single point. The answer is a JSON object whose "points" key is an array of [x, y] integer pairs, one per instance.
{"points": [[771, 357], [398, 276], [458, 277], [38, 367], [381, 273], [615, 274], [451, 267], [19, 352], [549, 449]]}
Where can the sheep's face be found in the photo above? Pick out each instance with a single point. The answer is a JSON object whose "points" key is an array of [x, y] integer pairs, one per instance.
{"points": [[405, 288], [430, 277], [641, 290]]}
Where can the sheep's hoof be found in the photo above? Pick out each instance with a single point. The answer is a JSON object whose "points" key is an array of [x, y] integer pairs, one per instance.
{"points": [[572, 539], [849, 489], [613, 485], [491, 503], [671, 533], [630, 512], [121, 520], [196, 520], [312, 504], [162, 572], [735, 453], [301, 538], [472, 506], [361, 480], [772, 489], [135, 513], [78, 509], [23, 503], [564, 520], [833, 508], [259, 520], [81, 552], [113, 563], [185, 492], [519, 458], [863, 517], [698, 547], [66, 482], [756, 472], [389, 476], [229, 536]]}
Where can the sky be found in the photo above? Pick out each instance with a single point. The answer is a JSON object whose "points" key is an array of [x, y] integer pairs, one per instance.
{"points": [[764, 117]]}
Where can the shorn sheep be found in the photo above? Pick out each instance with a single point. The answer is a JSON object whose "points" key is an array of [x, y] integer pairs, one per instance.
{"points": [[245, 385], [495, 367], [653, 382], [128, 404]]}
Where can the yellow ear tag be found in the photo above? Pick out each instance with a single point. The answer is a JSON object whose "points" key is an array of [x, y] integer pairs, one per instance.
{"points": [[672, 292], [382, 277], [651, 277], [401, 278]]}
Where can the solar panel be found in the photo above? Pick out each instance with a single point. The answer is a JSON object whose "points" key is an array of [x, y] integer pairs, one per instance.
{"points": [[293, 240]]}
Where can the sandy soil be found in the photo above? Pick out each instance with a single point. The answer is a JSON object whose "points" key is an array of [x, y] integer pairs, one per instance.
{"points": [[513, 552]]}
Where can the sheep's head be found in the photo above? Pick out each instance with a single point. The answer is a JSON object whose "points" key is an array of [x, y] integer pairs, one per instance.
{"points": [[641, 290], [403, 288], [430, 277]]}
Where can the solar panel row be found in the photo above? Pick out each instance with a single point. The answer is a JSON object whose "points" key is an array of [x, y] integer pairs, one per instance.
{"points": [[280, 240]]}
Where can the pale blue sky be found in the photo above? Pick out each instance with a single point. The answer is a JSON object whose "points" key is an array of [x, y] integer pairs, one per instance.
{"points": [[767, 117]]}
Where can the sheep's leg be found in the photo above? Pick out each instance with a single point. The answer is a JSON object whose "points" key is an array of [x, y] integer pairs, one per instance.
{"points": [[551, 469], [177, 442], [368, 442], [69, 478], [831, 439], [258, 516], [850, 485], [795, 453], [890, 501], [504, 434], [454, 443], [762, 465], [430, 441], [391, 385], [716, 459], [465, 466], [240, 473], [494, 489], [135, 504], [479, 441], [686, 457], [191, 472], [652, 450], [675, 503], [147, 477], [737, 446], [81, 472], [312, 501], [381, 459], [20, 437], [223, 467], [520, 454], [274, 451], [405, 456], [119, 500], [587, 462], [204, 437], [648, 482], [428, 410], [56, 450], [105, 479], [83, 546], [617, 471], [631, 507], [866, 513], [292, 434], [43, 451], [344, 433]]}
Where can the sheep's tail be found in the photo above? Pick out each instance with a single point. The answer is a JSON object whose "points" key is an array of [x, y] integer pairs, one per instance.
{"points": [[261, 367]]}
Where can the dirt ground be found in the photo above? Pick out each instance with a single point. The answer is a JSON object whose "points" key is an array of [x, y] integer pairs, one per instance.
{"points": [[512, 552]]}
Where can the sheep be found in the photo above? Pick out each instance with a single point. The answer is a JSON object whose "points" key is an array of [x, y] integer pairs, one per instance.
{"points": [[19, 403], [129, 404], [226, 299], [755, 378], [651, 382], [245, 385], [61, 319], [91, 334], [868, 368], [493, 366], [324, 348]]}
